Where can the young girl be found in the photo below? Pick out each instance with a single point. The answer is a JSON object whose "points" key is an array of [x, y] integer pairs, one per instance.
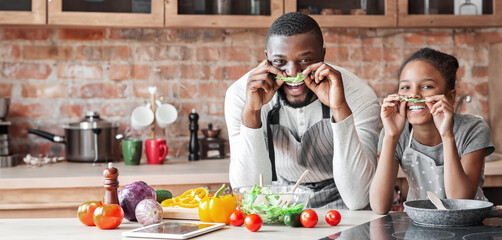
{"points": [[438, 150]]}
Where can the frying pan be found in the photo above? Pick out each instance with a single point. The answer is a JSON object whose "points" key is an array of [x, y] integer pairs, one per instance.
{"points": [[460, 212]]}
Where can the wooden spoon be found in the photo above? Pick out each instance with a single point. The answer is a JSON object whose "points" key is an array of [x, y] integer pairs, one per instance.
{"points": [[435, 200], [286, 200], [260, 198]]}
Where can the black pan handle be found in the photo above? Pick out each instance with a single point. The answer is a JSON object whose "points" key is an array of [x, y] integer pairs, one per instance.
{"points": [[47, 135]]}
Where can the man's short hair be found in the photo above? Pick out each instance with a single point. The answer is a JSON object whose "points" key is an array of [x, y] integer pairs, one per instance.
{"points": [[294, 23]]}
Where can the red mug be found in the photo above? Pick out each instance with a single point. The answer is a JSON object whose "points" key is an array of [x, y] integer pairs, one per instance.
{"points": [[156, 150]]}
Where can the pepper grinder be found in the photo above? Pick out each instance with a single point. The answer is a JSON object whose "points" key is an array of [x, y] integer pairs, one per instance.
{"points": [[193, 146], [111, 184]]}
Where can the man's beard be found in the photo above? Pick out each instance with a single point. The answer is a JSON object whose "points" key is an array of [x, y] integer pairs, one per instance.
{"points": [[308, 98]]}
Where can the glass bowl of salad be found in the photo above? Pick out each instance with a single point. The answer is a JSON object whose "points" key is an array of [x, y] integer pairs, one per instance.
{"points": [[271, 202]]}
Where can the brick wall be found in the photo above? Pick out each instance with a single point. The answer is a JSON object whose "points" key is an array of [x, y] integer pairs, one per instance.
{"points": [[54, 75]]}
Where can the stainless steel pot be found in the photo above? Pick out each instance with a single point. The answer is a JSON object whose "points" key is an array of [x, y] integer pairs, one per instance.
{"points": [[90, 140]]}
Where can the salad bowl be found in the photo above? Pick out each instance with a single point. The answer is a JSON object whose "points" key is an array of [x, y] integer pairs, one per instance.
{"points": [[267, 201]]}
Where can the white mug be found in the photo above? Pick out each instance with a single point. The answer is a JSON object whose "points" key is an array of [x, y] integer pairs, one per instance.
{"points": [[141, 117], [165, 115]]}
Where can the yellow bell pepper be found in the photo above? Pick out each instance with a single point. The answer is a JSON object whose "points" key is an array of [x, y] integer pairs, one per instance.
{"points": [[217, 209]]}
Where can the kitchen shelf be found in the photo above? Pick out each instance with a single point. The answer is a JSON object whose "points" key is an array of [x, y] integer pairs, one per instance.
{"points": [[90, 13], [20, 14], [166, 13], [405, 19], [386, 19], [175, 19]]}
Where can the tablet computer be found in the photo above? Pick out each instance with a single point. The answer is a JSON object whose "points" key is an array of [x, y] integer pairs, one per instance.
{"points": [[174, 230]]}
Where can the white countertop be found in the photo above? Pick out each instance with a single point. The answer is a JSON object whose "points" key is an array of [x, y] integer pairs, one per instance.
{"points": [[69, 174], [71, 228]]}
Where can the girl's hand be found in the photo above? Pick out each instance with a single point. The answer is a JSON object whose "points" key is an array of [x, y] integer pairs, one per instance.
{"points": [[393, 114], [442, 112]]}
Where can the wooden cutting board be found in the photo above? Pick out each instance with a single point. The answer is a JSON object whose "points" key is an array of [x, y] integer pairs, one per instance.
{"points": [[181, 213]]}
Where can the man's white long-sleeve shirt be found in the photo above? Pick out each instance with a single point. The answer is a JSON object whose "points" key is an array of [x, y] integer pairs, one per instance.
{"points": [[354, 139]]}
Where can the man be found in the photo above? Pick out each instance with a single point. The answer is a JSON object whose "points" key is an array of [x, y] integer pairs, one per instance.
{"points": [[326, 124]]}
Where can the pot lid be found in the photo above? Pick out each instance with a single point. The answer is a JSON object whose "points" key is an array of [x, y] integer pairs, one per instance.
{"points": [[91, 121]]}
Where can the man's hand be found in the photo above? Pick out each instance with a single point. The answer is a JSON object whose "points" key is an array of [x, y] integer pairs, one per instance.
{"points": [[326, 83], [260, 89]]}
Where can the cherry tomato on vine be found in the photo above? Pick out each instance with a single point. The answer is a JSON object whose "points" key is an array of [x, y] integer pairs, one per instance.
{"points": [[237, 218], [309, 218], [253, 222], [108, 216], [333, 217], [86, 210]]}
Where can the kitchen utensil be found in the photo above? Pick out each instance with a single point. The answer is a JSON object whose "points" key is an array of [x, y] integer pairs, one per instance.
{"points": [[4, 107], [193, 145], [260, 198], [165, 115], [91, 140], [286, 199], [156, 150], [132, 150], [141, 117], [435, 200], [461, 212]]}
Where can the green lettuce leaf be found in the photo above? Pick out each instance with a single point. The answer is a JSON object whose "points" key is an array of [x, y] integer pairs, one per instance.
{"points": [[299, 77], [412, 100]]}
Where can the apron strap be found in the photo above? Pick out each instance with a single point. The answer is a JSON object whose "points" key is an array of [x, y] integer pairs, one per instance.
{"points": [[325, 111], [411, 137], [273, 118]]}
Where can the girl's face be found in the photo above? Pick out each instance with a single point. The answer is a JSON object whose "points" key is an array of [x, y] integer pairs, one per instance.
{"points": [[419, 79]]}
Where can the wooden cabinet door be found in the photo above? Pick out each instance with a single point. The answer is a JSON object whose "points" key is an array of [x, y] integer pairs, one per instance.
{"points": [[339, 13], [115, 13], [433, 19], [174, 17], [21, 12]]}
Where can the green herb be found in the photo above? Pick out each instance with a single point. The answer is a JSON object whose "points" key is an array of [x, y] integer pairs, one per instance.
{"points": [[270, 211], [412, 100], [299, 77]]}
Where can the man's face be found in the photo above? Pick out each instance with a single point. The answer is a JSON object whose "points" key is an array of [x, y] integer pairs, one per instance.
{"points": [[292, 54]]}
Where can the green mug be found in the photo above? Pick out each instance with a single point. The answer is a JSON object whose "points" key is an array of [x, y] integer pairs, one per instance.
{"points": [[132, 150]]}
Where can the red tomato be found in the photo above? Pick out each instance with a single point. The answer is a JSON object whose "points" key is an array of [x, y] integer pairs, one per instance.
{"points": [[333, 217], [108, 216], [309, 218], [237, 218], [253, 222], [86, 210]]}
